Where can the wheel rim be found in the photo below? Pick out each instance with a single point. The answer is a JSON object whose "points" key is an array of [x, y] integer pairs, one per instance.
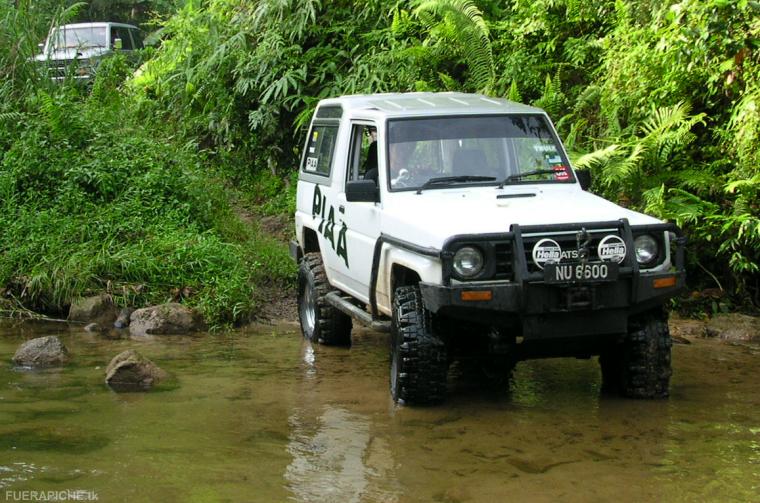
{"points": [[308, 308]]}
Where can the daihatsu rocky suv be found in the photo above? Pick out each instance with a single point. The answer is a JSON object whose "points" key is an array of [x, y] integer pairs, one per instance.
{"points": [[456, 222]]}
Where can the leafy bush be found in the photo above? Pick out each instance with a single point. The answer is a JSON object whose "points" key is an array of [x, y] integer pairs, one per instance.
{"points": [[94, 200]]}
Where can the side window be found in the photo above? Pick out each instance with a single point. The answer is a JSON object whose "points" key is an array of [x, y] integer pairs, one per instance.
{"points": [[136, 38], [319, 151], [363, 157], [123, 34]]}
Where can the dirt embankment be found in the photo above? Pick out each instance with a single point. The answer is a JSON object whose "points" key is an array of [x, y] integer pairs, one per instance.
{"points": [[275, 302]]}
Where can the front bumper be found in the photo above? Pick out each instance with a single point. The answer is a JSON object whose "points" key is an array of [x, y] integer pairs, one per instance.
{"points": [[540, 298], [538, 310]]}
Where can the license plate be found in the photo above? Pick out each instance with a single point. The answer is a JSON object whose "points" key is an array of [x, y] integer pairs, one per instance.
{"points": [[592, 272]]}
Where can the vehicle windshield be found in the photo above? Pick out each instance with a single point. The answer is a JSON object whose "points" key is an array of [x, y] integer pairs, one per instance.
{"points": [[474, 150], [81, 37]]}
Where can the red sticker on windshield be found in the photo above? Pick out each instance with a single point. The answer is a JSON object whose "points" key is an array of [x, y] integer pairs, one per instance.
{"points": [[560, 173]]}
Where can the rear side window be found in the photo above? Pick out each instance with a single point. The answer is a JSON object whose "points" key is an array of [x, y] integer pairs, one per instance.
{"points": [[137, 38], [319, 150], [123, 34]]}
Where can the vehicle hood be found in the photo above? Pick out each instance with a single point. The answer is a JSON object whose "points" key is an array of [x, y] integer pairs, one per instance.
{"points": [[428, 219], [71, 54]]}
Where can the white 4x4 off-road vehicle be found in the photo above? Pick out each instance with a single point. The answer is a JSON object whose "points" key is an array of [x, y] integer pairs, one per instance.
{"points": [[456, 222]]}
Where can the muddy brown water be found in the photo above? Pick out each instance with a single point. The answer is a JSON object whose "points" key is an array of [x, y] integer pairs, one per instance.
{"points": [[261, 415]]}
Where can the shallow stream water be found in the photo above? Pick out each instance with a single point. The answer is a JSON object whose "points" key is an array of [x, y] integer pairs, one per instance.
{"points": [[261, 415]]}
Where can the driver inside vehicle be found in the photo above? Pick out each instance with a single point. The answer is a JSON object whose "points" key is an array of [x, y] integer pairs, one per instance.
{"points": [[400, 155]]}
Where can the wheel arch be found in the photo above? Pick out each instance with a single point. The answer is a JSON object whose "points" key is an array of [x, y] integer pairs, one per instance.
{"points": [[401, 275], [310, 241], [399, 267]]}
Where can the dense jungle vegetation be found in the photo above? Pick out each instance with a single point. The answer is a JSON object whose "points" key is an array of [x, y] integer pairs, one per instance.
{"points": [[132, 185]]}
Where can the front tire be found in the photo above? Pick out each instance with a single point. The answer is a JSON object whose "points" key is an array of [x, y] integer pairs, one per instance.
{"points": [[419, 363], [320, 322], [641, 366]]}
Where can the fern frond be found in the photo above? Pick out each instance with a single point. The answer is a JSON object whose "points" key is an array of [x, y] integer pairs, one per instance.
{"points": [[470, 33], [597, 158], [11, 117]]}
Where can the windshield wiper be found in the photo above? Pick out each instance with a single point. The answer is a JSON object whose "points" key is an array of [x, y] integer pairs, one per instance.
{"points": [[452, 180], [517, 176]]}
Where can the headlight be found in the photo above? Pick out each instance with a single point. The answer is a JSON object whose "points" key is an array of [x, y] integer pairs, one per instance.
{"points": [[468, 262], [646, 249]]}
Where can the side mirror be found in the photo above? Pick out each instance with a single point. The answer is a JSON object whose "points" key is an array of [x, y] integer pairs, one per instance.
{"points": [[41, 47], [362, 191], [118, 44], [584, 178]]}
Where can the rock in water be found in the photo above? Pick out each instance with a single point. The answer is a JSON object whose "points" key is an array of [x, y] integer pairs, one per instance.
{"points": [[123, 320], [99, 309], [41, 352], [93, 328], [169, 318], [131, 371]]}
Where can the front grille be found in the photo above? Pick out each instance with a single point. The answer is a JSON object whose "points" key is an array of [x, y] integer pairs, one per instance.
{"points": [[568, 242], [58, 69], [503, 258]]}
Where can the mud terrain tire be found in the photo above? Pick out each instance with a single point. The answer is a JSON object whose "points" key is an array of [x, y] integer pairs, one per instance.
{"points": [[320, 322], [640, 366], [419, 364]]}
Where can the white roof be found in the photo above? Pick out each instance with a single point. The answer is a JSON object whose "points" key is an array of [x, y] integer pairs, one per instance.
{"points": [[424, 104], [95, 25]]}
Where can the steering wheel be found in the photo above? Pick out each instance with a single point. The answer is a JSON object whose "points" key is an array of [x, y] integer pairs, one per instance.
{"points": [[403, 180]]}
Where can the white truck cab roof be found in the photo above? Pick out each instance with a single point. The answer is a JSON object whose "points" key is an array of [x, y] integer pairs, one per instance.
{"points": [[396, 105]]}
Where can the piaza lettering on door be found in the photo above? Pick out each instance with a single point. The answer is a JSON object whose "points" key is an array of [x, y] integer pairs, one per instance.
{"points": [[320, 209]]}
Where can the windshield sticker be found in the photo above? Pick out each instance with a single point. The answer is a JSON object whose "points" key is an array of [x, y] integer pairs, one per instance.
{"points": [[560, 173], [326, 227], [545, 148], [311, 163]]}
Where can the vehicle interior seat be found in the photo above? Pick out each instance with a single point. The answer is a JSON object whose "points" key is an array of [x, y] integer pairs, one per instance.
{"points": [[469, 162]]}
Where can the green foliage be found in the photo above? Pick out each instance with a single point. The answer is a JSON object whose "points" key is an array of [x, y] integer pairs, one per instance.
{"points": [[463, 28], [659, 99], [95, 201], [95, 195]]}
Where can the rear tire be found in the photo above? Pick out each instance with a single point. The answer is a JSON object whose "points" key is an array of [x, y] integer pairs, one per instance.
{"points": [[641, 366], [419, 363], [320, 322]]}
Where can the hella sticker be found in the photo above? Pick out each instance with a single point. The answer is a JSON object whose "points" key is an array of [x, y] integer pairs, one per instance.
{"points": [[612, 249], [546, 251]]}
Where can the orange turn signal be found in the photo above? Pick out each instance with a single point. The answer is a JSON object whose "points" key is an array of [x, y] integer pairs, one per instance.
{"points": [[664, 282], [474, 295]]}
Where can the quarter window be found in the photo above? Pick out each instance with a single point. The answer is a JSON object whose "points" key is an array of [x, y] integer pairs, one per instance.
{"points": [[123, 34], [320, 149], [137, 38]]}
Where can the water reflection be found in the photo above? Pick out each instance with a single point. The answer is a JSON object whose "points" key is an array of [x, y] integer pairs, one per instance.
{"points": [[15, 473], [335, 455], [262, 415], [335, 458]]}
